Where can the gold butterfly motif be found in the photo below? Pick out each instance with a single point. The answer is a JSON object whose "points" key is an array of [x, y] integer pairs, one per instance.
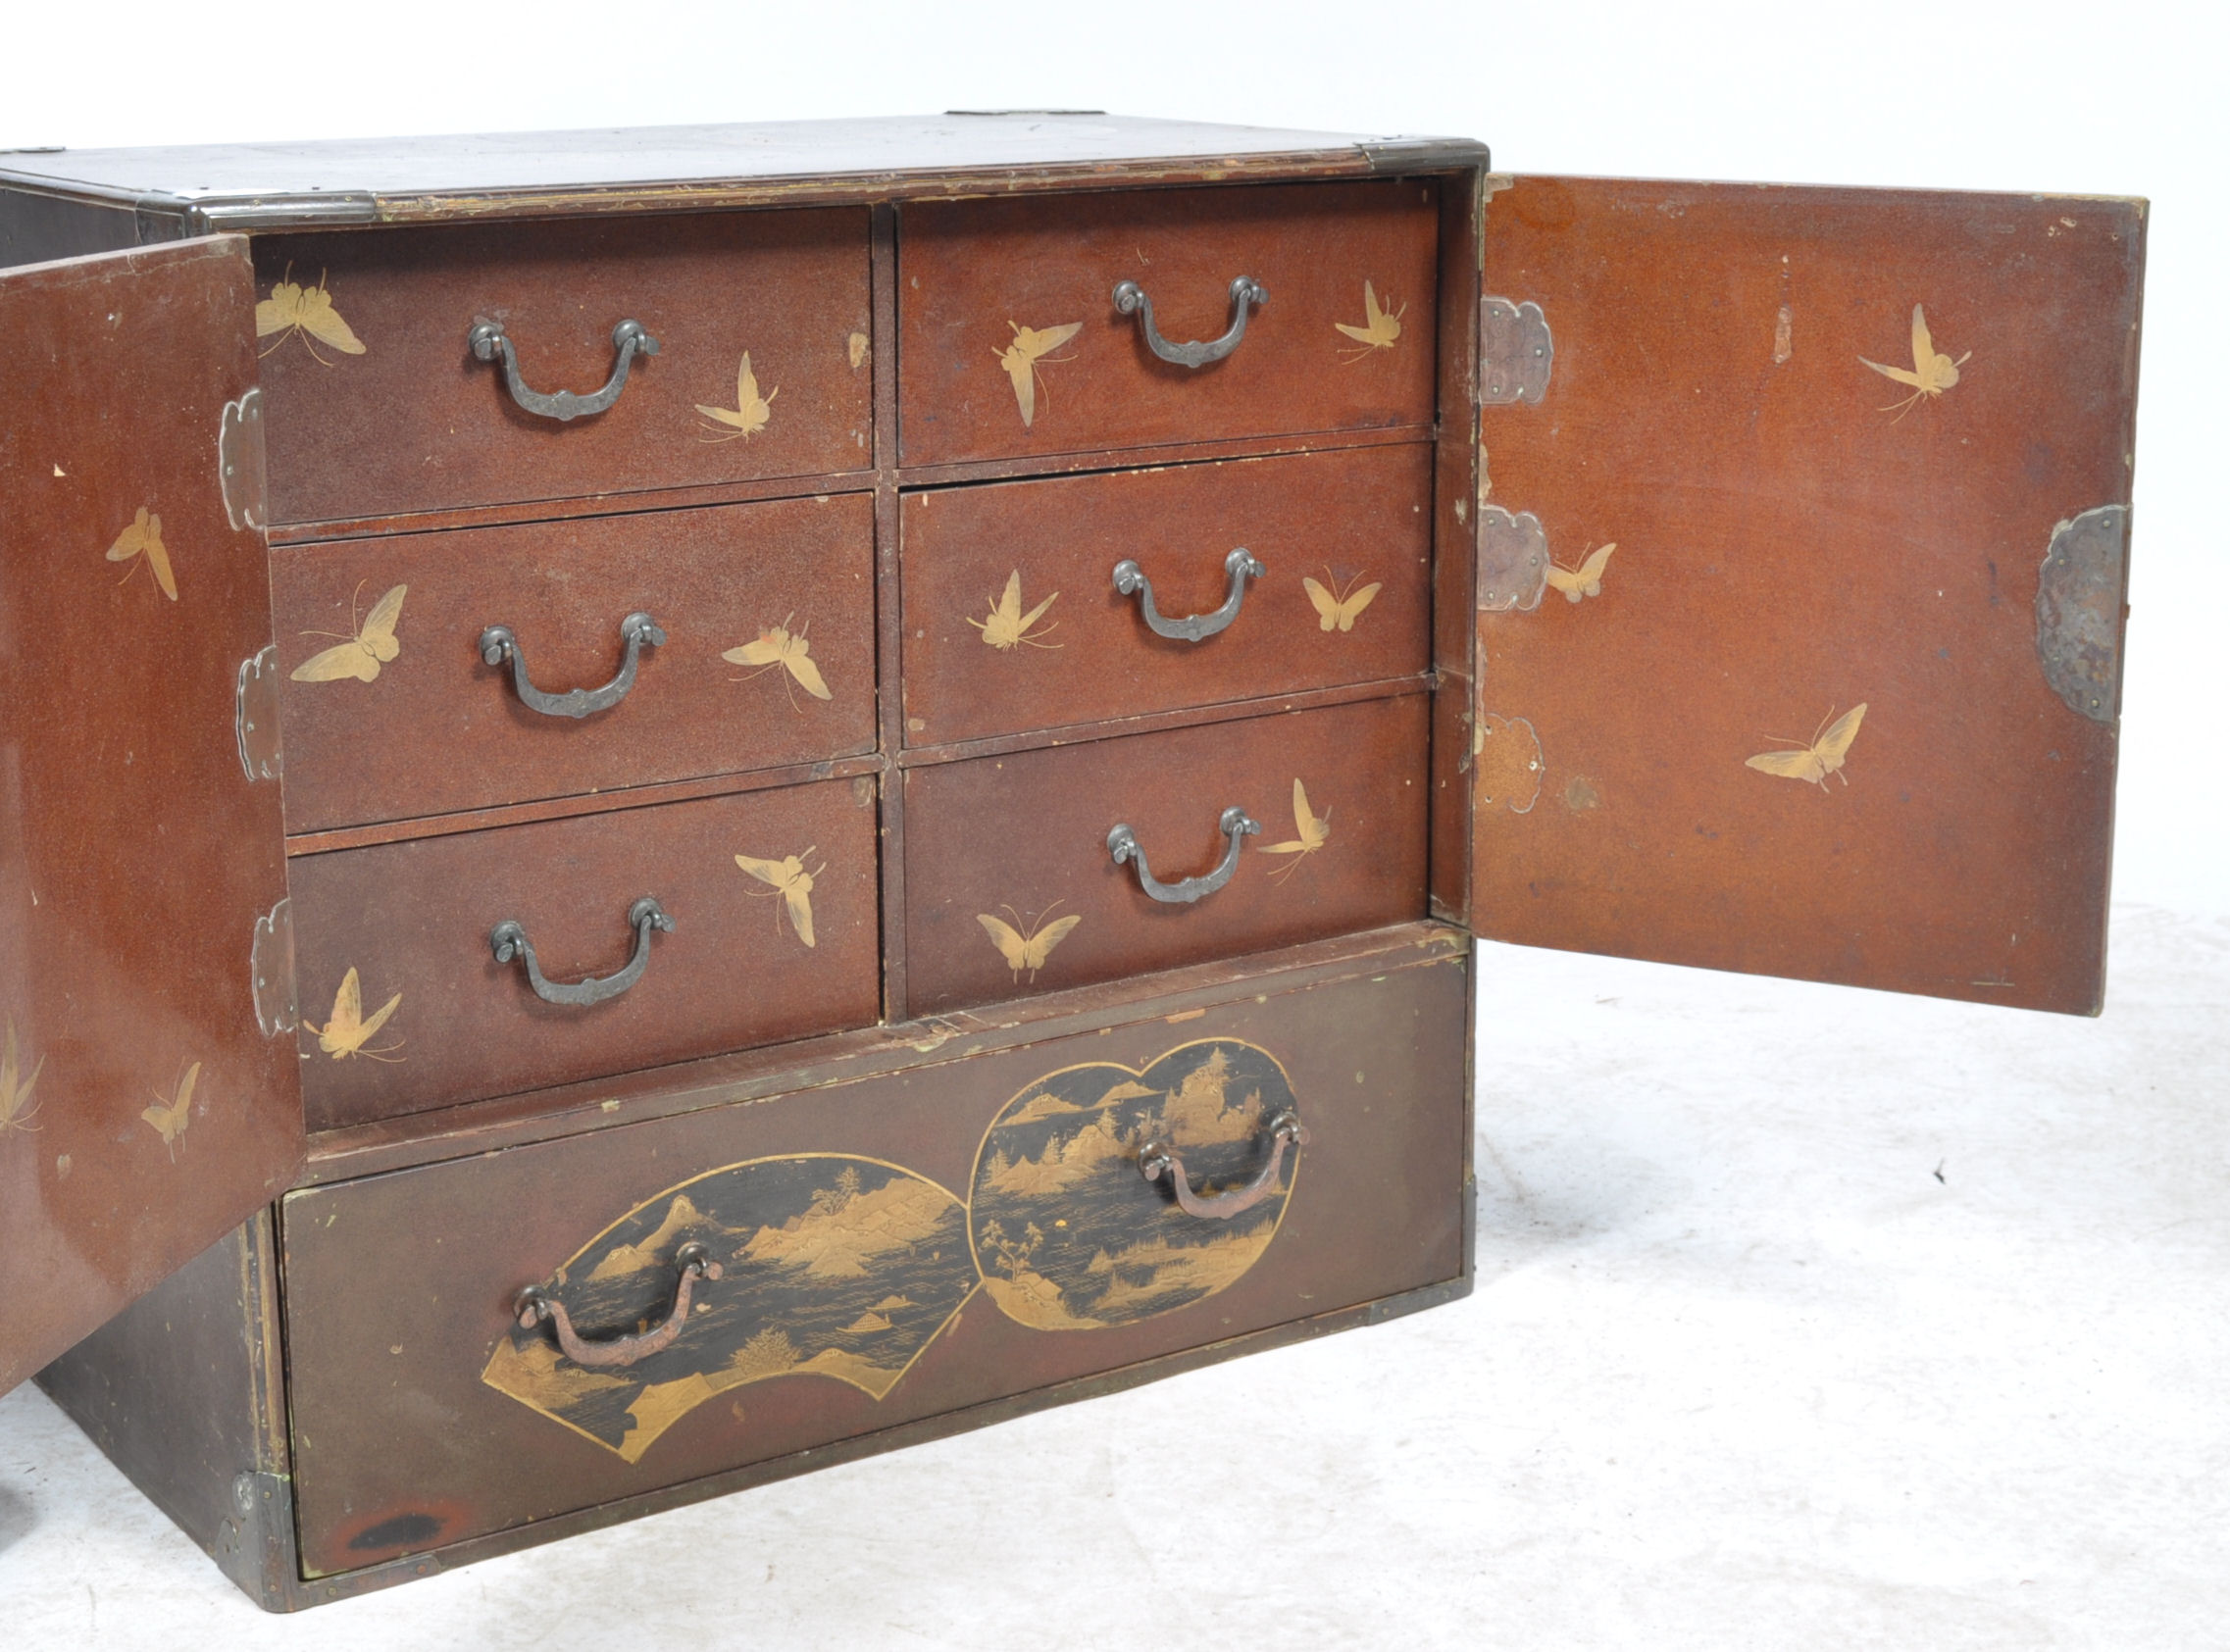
{"points": [[777, 645], [16, 1111], [790, 879], [1031, 346], [143, 536], [1338, 610], [750, 416], [1378, 331], [365, 650], [1587, 579], [309, 311], [1932, 373], [170, 1118], [1026, 951], [1818, 760], [346, 1032], [1007, 625], [1315, 831]]}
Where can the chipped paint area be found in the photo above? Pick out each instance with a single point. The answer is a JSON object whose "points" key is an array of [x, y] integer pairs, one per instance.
{"points": [[1507, 763]]}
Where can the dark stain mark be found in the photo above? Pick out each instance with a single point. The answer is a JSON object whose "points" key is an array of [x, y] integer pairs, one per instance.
{"points": [[1579, 793], [1993, 567], [398, 1531]]}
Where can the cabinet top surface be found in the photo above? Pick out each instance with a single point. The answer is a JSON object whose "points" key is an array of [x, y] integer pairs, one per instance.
{"points": [[359, 179]]}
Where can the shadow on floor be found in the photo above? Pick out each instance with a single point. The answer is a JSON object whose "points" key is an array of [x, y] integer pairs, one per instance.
{"points": [[16, 1516]]}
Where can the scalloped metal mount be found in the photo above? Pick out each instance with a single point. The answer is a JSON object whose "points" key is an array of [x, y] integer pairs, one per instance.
{"points": [[1515, 352]]}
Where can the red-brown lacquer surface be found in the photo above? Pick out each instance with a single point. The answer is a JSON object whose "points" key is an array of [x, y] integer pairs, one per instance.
{"points": [[438, 730], [1023, 839], [1789, 546], [135, 856], [416, 422], [971, 271], [1348, 520], [414, 918]]}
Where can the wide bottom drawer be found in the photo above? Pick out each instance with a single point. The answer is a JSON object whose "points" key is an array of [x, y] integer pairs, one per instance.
{"points": [[889, 1250]]}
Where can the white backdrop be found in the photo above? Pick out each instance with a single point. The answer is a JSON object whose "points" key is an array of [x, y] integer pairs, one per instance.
{"points": [[2043, 95]]}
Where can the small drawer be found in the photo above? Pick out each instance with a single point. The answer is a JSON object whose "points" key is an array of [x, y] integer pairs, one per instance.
{"points": [[1345, 539], [411, 924], [391, 710], [376, 403], [1011, 341], [1011, 887], [890, 1250]]}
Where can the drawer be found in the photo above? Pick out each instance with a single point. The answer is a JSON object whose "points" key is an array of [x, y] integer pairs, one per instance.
{"points": [[892, 1249], [396, 413], [1345, 539], [1001, 853], [360, 729], [415, 919], [972, 384]]}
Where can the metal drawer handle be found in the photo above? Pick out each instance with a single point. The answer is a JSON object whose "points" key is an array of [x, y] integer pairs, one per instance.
{"points": [[488, 339], [1241, 565], [1131, 298], [499, 643], [509, 939], [693, 1261], [1158, 1158], [1123, 844]]}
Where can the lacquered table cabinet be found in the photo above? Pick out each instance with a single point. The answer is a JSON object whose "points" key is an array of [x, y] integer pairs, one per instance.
{"points": [[681, 804]]}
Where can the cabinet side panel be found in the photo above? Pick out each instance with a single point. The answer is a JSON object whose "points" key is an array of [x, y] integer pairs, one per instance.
{"points": [[1842, 704], [180, 1391], [35, 228]]}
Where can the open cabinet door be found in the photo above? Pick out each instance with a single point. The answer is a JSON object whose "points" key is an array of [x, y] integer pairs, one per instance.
{"points": [[1842, 702], [148, 1102]]}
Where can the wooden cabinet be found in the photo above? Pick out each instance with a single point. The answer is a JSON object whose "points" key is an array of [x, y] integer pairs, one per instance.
{"points": [[703, 807]]}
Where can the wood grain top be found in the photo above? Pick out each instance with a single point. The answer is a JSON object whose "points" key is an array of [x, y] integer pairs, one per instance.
{"points": [[505, 173]]}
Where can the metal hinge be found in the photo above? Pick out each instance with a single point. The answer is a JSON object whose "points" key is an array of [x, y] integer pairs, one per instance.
{"points": [[255, 713], [1515, 352], [239, 460], [2079, 610], [1513, 560], [270, 967]]}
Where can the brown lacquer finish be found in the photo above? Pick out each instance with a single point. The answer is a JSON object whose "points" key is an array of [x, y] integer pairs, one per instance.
{"points": [[142, 1112], [973, 271], [1022, 840], [1344, 522], [1791, 543], [410, 420], [414, 918], [714, 580], [863, 1286]]}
